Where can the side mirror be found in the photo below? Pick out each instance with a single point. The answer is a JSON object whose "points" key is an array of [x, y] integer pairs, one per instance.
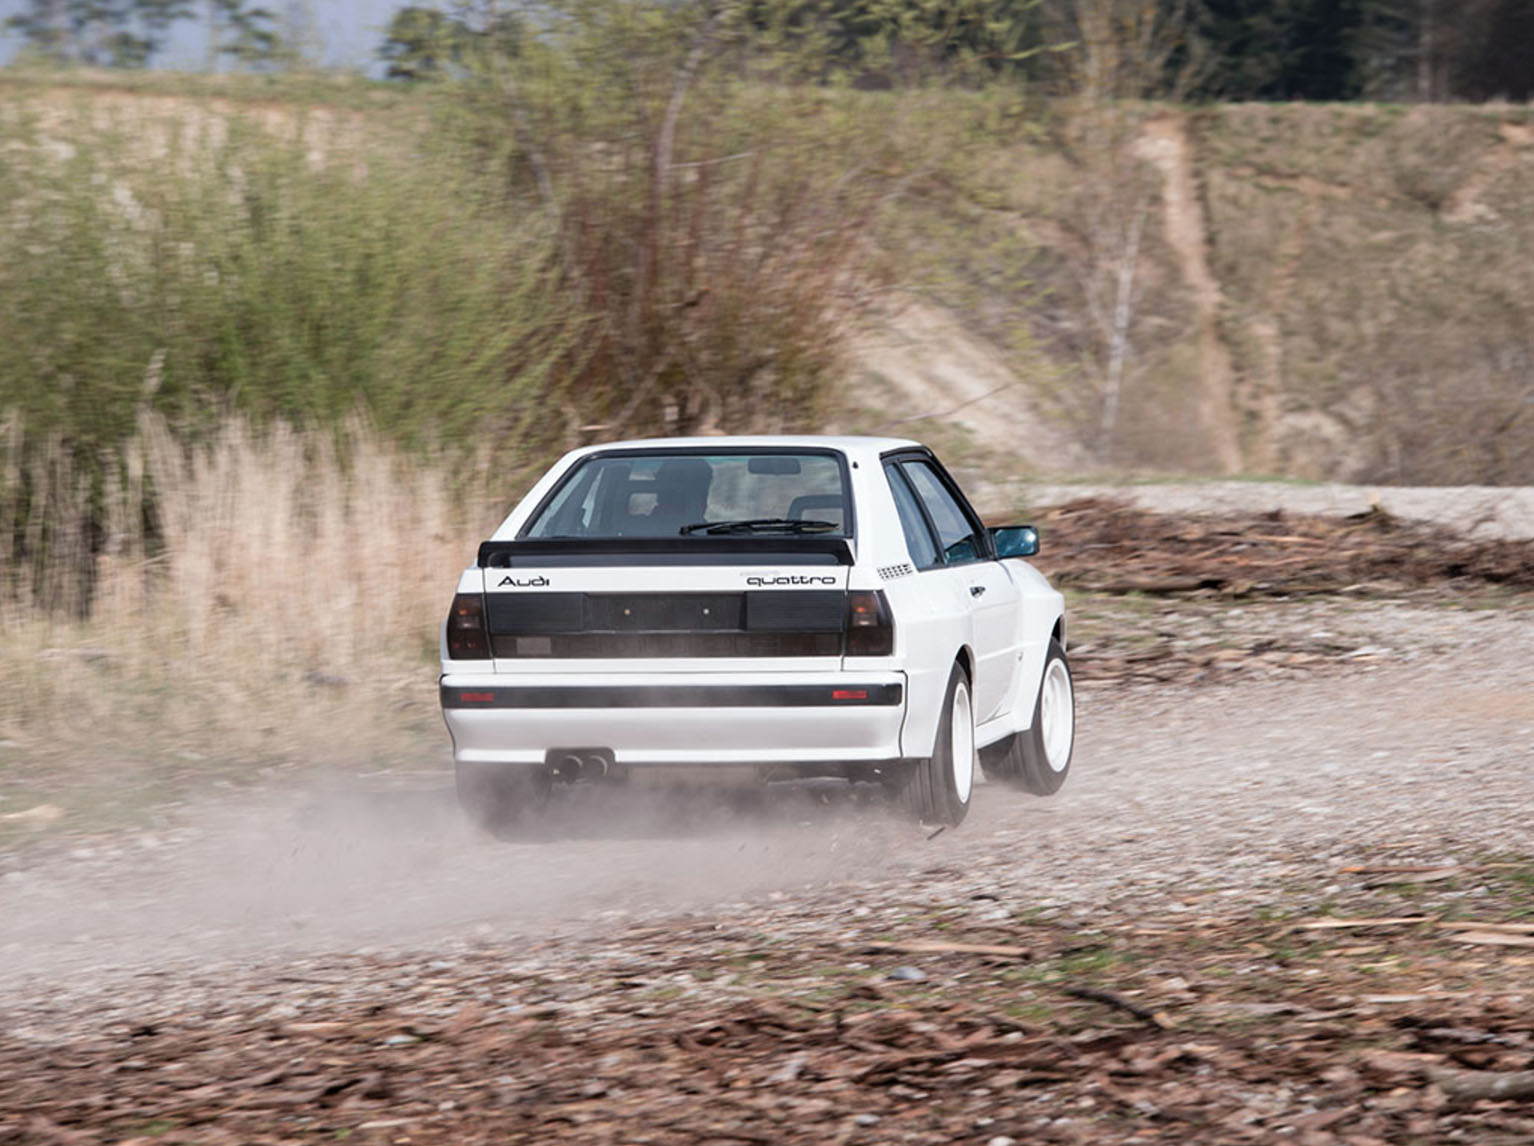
{"points": [[1015, 540]]}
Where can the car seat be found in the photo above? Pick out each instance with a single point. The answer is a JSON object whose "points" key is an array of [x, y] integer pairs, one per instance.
{"points": [[681, 495], [831, 501]]}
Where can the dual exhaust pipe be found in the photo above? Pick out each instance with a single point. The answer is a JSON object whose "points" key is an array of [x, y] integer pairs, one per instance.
{"points": [[569, 765]]}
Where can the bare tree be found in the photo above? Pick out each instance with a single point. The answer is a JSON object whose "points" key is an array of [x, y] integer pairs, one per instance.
{"points": [[1121, 53], [712, 275]]}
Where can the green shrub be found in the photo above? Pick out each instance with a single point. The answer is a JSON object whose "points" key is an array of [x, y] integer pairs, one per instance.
{"points": [[293, 273]]}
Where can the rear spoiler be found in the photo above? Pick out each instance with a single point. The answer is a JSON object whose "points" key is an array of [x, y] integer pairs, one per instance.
{"points": [[597, 551]]}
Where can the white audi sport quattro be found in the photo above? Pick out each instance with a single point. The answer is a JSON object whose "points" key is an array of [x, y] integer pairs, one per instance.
{"points": [[762, 608]]}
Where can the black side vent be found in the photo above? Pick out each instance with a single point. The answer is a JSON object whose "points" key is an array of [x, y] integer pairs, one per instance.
{"points": [[536, 612], [796, 611]]}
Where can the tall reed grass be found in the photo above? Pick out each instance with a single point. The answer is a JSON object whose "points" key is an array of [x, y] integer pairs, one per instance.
{"points": [[282, 579]]}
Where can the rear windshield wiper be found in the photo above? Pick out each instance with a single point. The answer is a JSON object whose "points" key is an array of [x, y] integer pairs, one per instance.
{"points": [[760, 525]]}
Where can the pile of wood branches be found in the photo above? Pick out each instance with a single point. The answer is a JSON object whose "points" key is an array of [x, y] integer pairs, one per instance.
{"points": [[1106, 546]]}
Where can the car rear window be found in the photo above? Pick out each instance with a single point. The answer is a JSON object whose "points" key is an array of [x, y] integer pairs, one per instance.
{"points": [[673, 494]]}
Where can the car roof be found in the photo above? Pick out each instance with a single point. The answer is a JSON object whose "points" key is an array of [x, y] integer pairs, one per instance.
{"points": [[850, 444]]}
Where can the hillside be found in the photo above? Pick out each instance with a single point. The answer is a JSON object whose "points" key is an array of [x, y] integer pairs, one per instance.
{"points": [[1318, 292], [276, 354], [1308, 291]]}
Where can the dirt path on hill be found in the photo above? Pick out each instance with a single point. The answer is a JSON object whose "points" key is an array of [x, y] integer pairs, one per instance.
{"points": [[1165, 143], [927, 373]]}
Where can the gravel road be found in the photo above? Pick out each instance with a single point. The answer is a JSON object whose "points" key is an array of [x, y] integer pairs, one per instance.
{"points": [[1420, 744], [350, 961]]}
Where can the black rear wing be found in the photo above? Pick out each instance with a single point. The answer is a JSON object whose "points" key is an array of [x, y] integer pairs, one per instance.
{"points": [[610, 551]]}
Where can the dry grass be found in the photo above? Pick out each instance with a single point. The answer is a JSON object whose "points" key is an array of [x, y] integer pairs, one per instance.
{"points": [[277, 601], [1375, 266]]}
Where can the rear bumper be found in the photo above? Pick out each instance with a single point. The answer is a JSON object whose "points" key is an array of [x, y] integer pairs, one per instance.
{"points": [[713, 718]]}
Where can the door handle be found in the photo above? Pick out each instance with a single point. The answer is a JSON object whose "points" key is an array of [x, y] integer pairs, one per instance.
{"points": [[976, 590]]}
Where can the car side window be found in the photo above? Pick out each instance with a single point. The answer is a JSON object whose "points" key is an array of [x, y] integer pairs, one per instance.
{"points": [[918, 538], [960, 539]]}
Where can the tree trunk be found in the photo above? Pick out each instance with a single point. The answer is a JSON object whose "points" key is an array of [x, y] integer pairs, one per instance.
{"points": [[1425, 50], [1123, 313]]}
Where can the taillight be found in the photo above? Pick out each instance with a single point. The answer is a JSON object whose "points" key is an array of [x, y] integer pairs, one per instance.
{"points": [[466, 638], [870, 628]]}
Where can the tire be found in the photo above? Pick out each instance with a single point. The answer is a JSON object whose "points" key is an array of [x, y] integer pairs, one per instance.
{"points": [[937, 790], [1039, 760], [502, 799]]}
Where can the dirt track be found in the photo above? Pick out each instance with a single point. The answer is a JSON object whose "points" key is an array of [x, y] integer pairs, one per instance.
{"points": [[270, 938]]}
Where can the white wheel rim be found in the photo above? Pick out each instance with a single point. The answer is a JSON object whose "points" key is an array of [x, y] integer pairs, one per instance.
{"points": [[961, 747], [1057, 715]]}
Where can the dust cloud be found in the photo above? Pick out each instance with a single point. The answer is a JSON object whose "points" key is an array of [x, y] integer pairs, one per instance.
{"points": [[356, 867]]}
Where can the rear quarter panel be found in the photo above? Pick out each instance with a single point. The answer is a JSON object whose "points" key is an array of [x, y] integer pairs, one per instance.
{"points": [[931, 624]]}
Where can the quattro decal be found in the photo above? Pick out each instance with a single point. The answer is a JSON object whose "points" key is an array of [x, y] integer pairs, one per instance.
{"points": [[756, 581]]}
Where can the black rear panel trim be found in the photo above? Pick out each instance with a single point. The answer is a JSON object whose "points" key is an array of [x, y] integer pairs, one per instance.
{"points": [[530, 614], [629, 646], [849, 695]]}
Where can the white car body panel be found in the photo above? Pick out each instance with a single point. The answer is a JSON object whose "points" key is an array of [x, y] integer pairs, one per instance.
{"points": [[1002, 634], [683, 735]]}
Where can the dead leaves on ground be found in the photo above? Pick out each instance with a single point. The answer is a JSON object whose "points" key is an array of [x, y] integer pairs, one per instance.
{"points": [[1145, 1030]]}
